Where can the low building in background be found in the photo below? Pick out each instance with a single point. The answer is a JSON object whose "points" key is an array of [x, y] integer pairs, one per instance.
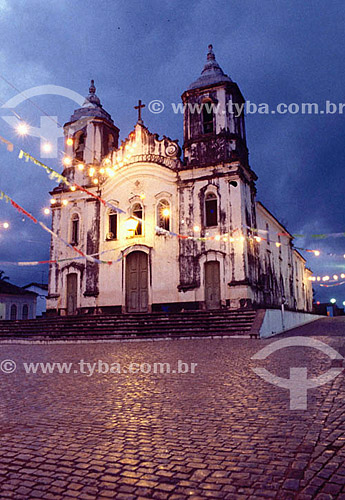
{"points": [[16, 303], [41, 289]]}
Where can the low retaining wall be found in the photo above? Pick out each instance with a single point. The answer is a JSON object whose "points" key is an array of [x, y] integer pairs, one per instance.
{"points": [[273, 322]]}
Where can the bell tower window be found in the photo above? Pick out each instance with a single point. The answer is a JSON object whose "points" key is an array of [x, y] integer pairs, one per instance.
{"points": [[80, 146], [207, 117], [211, 206]]}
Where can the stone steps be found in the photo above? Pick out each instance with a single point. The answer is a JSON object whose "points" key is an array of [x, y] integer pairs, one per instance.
{"points": [[117, 326]]}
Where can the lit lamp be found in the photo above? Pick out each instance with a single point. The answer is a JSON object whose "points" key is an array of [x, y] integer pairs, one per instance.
{"points": [[131, 225], [166, 212]]}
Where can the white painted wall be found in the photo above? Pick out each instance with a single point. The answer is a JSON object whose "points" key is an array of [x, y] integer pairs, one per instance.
{"points": [[273, 321]]}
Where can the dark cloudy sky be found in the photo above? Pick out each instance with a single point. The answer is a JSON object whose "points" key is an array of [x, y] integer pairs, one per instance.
{"points": [[276, 51]]}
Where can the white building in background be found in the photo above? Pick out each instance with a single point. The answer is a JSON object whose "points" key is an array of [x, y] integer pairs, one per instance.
{"points": [[16, 303], [203, 241], [41, 291]]}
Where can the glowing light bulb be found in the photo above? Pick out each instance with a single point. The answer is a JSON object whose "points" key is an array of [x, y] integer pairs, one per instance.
{"points": [[101, 170], [95, 181], [217, 237], [342, 275], [325, 278], [52, 201], [80, 166], [231, 239], [318, 278], [67, 161], [91, 171], [65, 202], [166, 212], [196, 229], [278, 244], [73, 188], [335, 277], [22, 128], [69, 142], [225, 238], [46, 211], [142, 196], [6, 225], [316, 253], [47, 147], [257, 238], [333, 301]]}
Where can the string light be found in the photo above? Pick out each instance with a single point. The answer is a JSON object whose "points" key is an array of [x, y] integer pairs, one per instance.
{"points": [[47, 147], [22, 128], [67, 161]]}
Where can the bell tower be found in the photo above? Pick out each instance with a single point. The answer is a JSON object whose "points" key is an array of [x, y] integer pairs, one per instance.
{"points": [[89, 136], [214, 128]]}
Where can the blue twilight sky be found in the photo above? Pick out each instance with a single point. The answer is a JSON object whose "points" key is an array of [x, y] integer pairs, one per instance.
{"points": [[277, 51]]}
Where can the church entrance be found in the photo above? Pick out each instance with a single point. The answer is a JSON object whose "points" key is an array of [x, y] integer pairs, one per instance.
{"points": [[72, 294], [212, 284], [137, 282]]}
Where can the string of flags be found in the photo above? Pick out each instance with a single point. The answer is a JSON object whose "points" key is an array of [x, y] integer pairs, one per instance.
{"points": [[8, 199]]}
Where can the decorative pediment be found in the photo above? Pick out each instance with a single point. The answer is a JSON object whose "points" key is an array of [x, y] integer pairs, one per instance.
{"points": [[143, 146]]}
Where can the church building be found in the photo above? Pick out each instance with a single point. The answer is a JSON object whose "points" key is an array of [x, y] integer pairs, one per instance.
{"points": [[175, 229]]}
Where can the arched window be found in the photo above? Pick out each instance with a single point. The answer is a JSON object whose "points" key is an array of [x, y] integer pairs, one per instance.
{"points": [[112, 226], [111, 142], [79, 143], [25, 311], [13, 312], [163, 215], [75, 230], [138, 213], [211, 218], [207, 117]]}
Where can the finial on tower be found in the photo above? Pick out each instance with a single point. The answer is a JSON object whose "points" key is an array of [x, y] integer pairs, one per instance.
{"points": [[92, 88], [210, 54]]}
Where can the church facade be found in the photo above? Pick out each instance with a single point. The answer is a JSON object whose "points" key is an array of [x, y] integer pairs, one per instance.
{"points": [[176, 230]]}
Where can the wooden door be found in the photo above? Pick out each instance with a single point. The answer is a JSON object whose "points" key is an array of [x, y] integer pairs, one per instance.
{"points": [[72, 294], [137, 282], [212, 285]]}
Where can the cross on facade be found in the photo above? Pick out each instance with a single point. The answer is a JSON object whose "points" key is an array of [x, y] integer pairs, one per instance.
{"points": [[139, 107]]}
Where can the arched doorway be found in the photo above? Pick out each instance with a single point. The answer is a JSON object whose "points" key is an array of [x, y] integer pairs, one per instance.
{"points": [[212, 284], [137, 282], [72, 293]]}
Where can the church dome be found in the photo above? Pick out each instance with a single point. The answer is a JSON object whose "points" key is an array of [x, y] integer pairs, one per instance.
{"points": [[211, 74], [91, 106]]}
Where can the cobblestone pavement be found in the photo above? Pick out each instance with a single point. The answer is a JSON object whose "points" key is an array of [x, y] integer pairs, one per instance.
{"points": [[221, 432]]}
